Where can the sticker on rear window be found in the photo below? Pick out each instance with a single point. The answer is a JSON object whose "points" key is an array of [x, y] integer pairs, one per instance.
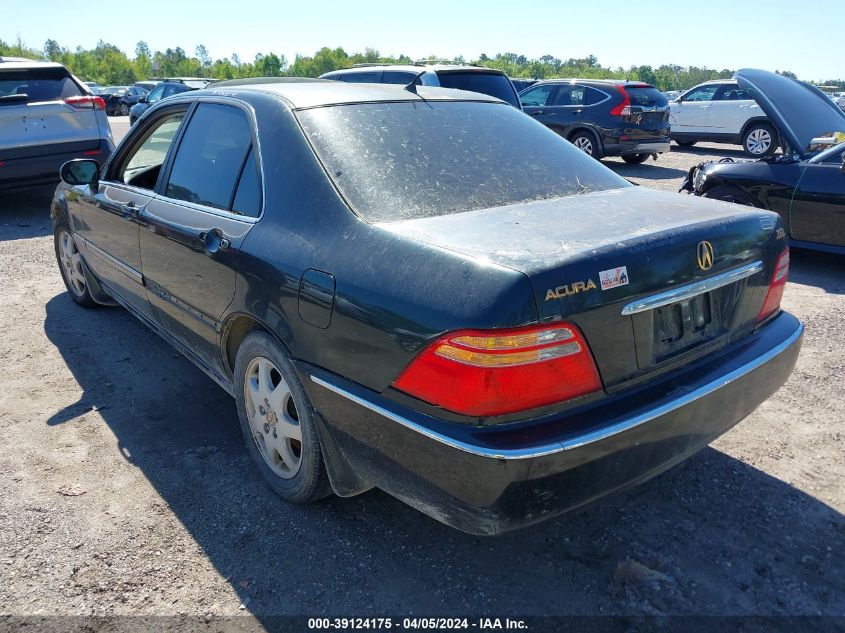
{"points": [[614, 278]]}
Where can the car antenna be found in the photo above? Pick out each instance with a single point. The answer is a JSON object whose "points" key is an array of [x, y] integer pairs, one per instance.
{"points": [[412, 87]]}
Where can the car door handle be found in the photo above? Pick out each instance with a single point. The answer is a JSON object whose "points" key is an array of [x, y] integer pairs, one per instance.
{"points": [[130, 209], [214, 240], [536, 112]]}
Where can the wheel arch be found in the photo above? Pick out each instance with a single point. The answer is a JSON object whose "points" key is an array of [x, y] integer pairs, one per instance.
{"points": [[581, 127], [235, 329], [754, 121]]}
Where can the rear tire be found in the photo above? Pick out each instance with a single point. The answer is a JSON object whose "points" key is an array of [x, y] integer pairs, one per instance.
{"points": [[759, 140], [70, 266], [685, 143], [635, 159], [124, 109], [278, 421], [730, 193], [587, 142]]}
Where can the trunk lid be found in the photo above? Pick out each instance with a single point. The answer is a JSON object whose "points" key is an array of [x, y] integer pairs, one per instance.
{"points": [[589, 256]]}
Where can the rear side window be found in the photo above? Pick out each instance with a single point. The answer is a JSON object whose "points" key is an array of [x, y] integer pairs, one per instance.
{"points": [[595, 96], [646, 97], [394, 77], [360, 78], [37, 84], [735, 93], [569, 96], [211, 156], [491, 84], [248, 195]]}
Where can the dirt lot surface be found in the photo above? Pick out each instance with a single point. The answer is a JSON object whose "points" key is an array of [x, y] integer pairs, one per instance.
{"points": [[127, 488]]}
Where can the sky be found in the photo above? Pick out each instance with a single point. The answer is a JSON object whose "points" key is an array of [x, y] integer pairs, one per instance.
{"points": [[802, 37]]}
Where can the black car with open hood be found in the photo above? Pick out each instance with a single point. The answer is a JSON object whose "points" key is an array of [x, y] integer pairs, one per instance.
{"points": [[806, 184]]}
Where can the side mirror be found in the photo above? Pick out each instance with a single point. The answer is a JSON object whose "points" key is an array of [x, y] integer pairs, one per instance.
{"points": [[143, 99], [80, 171]]}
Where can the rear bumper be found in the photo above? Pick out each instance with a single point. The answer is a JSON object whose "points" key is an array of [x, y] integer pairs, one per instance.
{"points": [[490, 480], [650, 148], [44, 168], [640, 146]]}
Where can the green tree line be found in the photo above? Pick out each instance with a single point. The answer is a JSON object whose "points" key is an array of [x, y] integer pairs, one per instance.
{"points": [[109, 65]]}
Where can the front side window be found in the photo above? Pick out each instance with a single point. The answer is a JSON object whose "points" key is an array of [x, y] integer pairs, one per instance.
{"points": [[438, 158], [156, 94], [140, 168], [211, 156], [703, 93], [536, 97]]}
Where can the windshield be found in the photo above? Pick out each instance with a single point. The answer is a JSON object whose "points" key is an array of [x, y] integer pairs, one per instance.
{"points": [[492, 84], [399, 161], [646, 96]]}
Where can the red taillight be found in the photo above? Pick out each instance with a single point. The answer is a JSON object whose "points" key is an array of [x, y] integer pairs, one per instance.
{"points": [[493, 372], [86, 102], [776, 287], [623, 108]]}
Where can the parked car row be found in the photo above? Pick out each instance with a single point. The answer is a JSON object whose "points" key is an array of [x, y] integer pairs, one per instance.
{"points": [[119, 99]]}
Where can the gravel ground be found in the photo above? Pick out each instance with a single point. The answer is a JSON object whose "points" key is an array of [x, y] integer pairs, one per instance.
{"points": [[127, 489]]}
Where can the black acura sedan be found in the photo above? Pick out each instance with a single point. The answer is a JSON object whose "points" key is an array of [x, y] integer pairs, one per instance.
{"points": [[430, 293], [806, 184]]}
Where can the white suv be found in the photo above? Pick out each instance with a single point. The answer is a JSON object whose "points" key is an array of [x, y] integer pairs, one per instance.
{"points": [[722, 112]]}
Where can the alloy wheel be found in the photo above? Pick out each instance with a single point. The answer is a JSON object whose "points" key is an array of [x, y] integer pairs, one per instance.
{"points": [[584, 144], [759, 141], [71, 262], [273, 418]]}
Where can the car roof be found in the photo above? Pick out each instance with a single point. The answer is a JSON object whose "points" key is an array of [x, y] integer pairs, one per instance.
{"points": [[310, 94], [416, 68], [604, 82], [20, 63]]}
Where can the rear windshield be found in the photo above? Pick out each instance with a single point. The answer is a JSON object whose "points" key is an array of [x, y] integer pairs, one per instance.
{"points": [[492, 84], [399, 161], [646, 97], [38, 84]]}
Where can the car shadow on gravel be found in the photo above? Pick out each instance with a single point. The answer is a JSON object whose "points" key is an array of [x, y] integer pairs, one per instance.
{"points": [[813, 268], [712, 536], [708, 150], [649, 170], [25, 213]]}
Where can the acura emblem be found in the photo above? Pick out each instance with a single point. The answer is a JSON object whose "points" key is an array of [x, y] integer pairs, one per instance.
{"points": [[705, 255]]}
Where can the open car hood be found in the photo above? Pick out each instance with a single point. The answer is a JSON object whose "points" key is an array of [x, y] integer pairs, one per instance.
{"points": [[799, 111]]}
